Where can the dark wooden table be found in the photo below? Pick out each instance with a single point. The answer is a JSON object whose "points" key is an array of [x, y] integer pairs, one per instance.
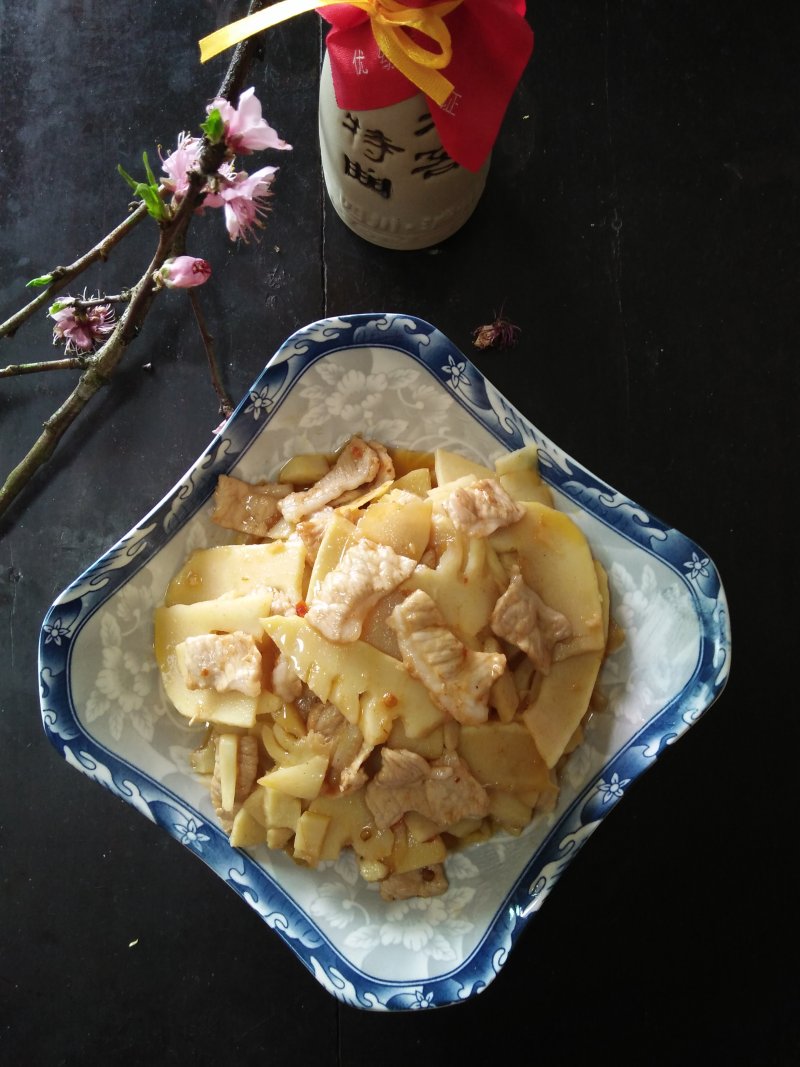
{"points": [[640, 226]]}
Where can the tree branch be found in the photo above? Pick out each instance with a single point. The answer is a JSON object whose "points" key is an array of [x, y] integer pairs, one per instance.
{"points": [[225, 403], [100, 366], [81, 302], [77, 362], [62, 276]]}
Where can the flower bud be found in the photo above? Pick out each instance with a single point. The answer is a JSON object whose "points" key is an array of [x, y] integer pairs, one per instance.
{"points": [[183, 272]]}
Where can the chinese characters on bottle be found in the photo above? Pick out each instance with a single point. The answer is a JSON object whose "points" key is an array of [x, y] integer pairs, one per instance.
{"points": [[376, 146]]}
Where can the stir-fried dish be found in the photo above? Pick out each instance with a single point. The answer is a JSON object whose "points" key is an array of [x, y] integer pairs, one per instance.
{"points": [[395, 654]]}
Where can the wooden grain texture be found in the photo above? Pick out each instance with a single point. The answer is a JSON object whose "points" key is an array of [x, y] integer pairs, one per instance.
{"points": [[640, 226]]}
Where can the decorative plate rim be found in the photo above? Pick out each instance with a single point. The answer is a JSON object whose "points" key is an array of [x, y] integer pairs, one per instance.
{"points": [[483, 402]]}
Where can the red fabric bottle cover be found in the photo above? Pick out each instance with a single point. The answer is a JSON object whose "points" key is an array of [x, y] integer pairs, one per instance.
{"points": [[491, 44]]}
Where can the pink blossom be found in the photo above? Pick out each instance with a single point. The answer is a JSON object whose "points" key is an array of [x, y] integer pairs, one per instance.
{"points": [[183, 272], [179, 163], [245, 129], [81, 329], [242, 195]]}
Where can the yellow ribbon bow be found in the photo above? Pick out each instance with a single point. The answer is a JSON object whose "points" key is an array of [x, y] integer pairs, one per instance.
{"points": [[389, 20]]}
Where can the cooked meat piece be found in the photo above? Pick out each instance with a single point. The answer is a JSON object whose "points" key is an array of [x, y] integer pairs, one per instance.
{"points": [[246, 774], [445, 790], [425, 882], [348, 750], [386, 469], [458, 678], [221, 662], [481, 508], [356, 465], [366, 572], [282, 603], [307, 703], [398, 787], [453, 793], [286, 683], [385, 474], [312, 529], [521, 617], [325, 719], [247, 507], [353, 776]]}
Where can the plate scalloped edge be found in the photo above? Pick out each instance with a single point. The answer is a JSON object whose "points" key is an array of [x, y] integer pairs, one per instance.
{"points": [[153, 799]]}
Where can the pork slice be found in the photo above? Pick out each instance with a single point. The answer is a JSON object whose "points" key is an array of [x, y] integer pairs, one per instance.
{"points": [[384, 474], [286, 683], [453, 793], [398, 787], [458, 678], [221, 662], [311, 531], [481, 508], [282, 603], [356, 465], [348, 750], [366, 572], [324, 719], [444, 790], [250, 508], [522, 618]]}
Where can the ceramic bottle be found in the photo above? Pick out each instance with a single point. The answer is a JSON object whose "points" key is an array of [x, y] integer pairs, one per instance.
{"points": [[387, 175]]}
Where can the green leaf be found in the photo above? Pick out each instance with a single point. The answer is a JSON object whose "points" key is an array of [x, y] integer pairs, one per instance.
{"points": [[155, 205], [148, 191], [58, 306], [40, 282], [213, 127], [148, 171], [131, 181]]}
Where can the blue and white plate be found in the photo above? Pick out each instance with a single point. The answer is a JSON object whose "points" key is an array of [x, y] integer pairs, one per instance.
{"points": [[396, 379]]}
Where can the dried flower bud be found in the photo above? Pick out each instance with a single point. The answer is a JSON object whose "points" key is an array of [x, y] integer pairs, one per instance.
{"points": [[498, 334]]}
